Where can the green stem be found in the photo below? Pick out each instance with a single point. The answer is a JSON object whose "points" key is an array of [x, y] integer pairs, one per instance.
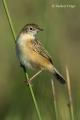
{"points": [[9, 19], [14, 35], [54, 99]]}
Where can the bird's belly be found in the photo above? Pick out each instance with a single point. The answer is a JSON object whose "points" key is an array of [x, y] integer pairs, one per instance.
{"points": [[25, 61], [23, 55]]}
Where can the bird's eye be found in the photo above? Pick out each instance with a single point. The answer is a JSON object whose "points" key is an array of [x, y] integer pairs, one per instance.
{"points": [[31, 28]]}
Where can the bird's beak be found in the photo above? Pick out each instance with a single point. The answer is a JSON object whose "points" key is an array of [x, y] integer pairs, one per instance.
{"points": [[40, 29]]}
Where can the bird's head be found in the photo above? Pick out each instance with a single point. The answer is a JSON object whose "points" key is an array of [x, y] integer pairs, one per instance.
{"points": [[32, 29]]}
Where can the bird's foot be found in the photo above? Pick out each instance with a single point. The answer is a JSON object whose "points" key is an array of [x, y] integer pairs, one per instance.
{"points": [[27, 82]]}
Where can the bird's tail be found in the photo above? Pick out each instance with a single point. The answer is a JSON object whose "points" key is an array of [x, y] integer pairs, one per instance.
{"points": [[59, 77], [56, 74]]}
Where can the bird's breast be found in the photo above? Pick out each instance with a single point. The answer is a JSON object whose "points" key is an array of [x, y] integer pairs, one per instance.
{"points": [[23, 51]]}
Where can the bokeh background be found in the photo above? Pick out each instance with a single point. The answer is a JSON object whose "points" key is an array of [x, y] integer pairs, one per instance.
{"points": [[61, 37]]}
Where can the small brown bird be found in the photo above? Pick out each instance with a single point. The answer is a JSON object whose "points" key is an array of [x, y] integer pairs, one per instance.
{"points": [[32, 54]]}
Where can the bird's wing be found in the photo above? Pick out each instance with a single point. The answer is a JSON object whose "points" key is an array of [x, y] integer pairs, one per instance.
{"points": [[37, 47]]}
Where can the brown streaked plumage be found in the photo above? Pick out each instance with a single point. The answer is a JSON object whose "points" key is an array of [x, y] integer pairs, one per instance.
{"points": [[31, 52], [38, 55]]}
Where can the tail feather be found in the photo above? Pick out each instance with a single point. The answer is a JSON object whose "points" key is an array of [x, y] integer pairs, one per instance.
{"points": [[59, 77]]}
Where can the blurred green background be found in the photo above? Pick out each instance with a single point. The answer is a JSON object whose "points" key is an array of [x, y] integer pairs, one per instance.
{"points": [[61, 37]]}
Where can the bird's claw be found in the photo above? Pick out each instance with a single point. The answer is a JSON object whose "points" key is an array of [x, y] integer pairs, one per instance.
{"points": [[27, 82]]}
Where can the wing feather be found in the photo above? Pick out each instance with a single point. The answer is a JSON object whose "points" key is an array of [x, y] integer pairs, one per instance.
{"points": [[37, 47]]}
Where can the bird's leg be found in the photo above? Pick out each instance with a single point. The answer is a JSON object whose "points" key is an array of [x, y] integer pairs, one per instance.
{"points": [[30, 79], [35, 75]]}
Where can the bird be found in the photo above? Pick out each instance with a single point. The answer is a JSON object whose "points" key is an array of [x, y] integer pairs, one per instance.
{"points": [[32, 54]]}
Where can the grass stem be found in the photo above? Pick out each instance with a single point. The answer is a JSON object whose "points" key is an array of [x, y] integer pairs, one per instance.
{"points": [[14, 36], [69, 94], [54, 98]]}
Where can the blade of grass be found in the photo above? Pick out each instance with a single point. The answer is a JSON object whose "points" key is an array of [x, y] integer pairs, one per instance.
{"points": [[9, 19], [54, 98], [14, 36], [69, 94]]}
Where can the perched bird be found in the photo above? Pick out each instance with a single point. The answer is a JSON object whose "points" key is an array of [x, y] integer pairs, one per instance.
{"points": [[31, 52]]}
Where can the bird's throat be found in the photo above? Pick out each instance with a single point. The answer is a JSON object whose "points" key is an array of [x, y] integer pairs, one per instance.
{"points": [[27, 36]]}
